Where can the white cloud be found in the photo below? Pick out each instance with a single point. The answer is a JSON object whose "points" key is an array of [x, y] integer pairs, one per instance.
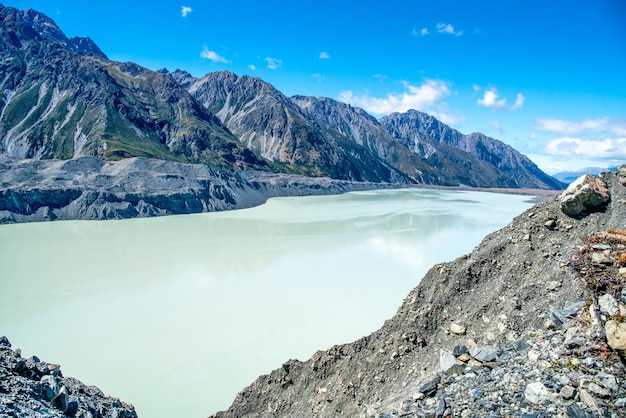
{"points": [[324, 55], [252, 67], [567, 127], [601, 148], [273, 63], [185, 10], [519, 101], [492, 99], [426, 97], [447, 28], [212, 56]]}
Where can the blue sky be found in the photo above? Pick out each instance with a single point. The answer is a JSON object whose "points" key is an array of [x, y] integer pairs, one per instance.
{"points": [[547, 77]]}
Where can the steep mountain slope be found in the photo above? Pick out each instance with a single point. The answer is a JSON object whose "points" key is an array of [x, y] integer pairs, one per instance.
{"points": [[437, 142], [57, 103], [451, 166], [267, 121]]}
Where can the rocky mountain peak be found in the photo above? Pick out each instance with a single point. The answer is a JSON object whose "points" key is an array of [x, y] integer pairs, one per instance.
{"points": [[46, 28]]}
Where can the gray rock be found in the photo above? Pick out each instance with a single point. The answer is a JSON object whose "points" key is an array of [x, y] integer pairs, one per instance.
{"points": [[601, 258], [607, 380], [594, 388], [457, 329], [616, 336], [448, 363], [608, 304], [575, 411], [484, 353], [567, 392], [430, 387], [585, 195], [62, 399], [537, 393], [620, 403]]}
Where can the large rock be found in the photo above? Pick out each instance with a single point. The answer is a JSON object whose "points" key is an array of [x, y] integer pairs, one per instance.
{"points": [[585, 195], [616, 336]]}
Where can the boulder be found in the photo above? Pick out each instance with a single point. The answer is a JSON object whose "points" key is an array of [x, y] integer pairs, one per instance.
{"points": [[585, 195], [616, 336]]}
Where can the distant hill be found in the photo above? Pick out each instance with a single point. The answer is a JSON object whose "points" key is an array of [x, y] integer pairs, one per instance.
{"points": [[568, 177]]}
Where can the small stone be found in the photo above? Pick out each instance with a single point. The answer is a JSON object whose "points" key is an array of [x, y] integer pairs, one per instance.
{"points": [[601, 258], [474, 363], [616, 336], [543, 365], [484, 353], [430, 387], [533, 356], [4, 342], [622, 272], [608, 304], [588, 399], [594, 388], [448, 363], [476, 393], [567, 392], [459, 350], [550, 224], [417, 396], [536, 393], [607, 380], [601, 247], [464, 358], [575, 411], [62, 399], [457, 329], [620, 403], [553, 285]]}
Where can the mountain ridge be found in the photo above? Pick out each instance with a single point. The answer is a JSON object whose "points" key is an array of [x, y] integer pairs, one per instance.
{"points": [[63, 99]]}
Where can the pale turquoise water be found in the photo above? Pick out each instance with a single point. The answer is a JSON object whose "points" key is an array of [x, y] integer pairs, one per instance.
{"points": [[177, 314]]}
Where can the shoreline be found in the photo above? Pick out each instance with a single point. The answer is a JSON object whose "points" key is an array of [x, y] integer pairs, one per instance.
{"points": [[88, 188]]}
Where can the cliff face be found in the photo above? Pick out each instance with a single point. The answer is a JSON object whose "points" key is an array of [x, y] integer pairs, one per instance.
{"points": [[510, 300], [91, 188]]}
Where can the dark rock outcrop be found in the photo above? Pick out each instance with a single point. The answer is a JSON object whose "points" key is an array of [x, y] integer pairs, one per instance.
{"points": [[33, 388], [514, 293]]}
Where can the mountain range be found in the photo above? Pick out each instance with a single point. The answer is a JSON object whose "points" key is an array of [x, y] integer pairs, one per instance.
{"points": [[63, 98]]}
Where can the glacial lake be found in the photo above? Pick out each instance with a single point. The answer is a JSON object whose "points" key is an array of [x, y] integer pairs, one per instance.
{"points": [[177, 314]]}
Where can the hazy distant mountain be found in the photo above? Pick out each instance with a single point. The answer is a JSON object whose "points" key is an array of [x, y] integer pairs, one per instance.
{"points": [[57, 103], [62, 98], [568, 177]]}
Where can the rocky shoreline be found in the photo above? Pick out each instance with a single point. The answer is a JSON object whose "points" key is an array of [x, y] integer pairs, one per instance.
{"points": [[33, 388], [92, 188], [516, 328], [531, 323]]}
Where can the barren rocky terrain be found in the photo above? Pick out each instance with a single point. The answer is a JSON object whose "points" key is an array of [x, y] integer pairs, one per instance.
{"points": [[531, 323]]}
